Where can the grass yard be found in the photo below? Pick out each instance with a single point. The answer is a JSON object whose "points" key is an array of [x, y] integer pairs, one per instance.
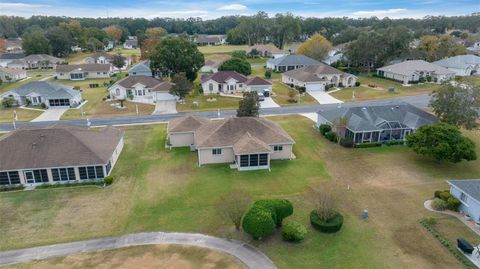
{"points": [[6, 114], [221, 102], [281, 96], [78, 57], [5, 87], [363, 92], [126, 52], [161, 256], [257, 60], [221, 49], [156, 189]]}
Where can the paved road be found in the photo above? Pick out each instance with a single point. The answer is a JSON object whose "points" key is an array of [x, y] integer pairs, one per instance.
{"points": [[419, 101], [247, 254]]}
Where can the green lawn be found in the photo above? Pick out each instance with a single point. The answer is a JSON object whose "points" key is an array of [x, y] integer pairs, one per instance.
{"points": [[156, 189], [6, 114], [221, 49], [126, 52], [281, 96], [78, 57], [257, 60], [5, 87]]}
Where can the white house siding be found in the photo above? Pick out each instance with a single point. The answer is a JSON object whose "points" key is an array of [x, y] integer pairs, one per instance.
{"points": [[116, 153], [471, 206], [13, 77], [237, 87], [87, 75], [205, 156], [258, 88], [181, 139], [286, 153], [206, 87]]}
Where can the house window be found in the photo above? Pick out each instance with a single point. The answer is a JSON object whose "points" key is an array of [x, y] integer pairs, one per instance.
{"points": [[240, 85], [463, 197], [63, 174], [36, 176], [210, 87], [91, 172], [278, 148], [253, 160], [117, 92], [216, 151], [7, 178]]}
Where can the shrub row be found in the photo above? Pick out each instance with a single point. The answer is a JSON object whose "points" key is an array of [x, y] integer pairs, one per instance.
{"points": [[293, 231], [369, 145], [87, 183], [264, 215], [11, 188], [332, 225], [395, 142], [451, 202]]}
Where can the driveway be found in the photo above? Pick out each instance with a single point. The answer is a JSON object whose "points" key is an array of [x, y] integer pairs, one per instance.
{"points": [[268, 103], [246, 253], [323, 97], [165, 107], [51, 114]]}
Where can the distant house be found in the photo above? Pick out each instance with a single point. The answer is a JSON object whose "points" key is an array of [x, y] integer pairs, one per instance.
{"points": [[83, 71], [414, 71], [142, 89], [210, 40], [43, 92], [58, 154], [462, 65], [317, 77], [247, 143], [267, 51], [109, 46], [335, 54], [42, 61], [375, 123], [104, 58], [12, 75], [6, 58], [475, 48], [18, 64], [290, 62], [131, 43], [141, 69], [13, 44], [467, 191], [211, 66], [231, 82]]}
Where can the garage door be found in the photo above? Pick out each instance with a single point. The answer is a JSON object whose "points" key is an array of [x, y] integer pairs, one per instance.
{"points": [[315, 87], [59, 102]]}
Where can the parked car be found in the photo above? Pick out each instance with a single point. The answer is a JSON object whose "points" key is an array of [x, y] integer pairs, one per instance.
{"points": [[266, 93], [261, 97]]}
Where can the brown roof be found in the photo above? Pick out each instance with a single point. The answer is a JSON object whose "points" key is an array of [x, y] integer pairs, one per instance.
{"points": [[249, 144], [83, 67], [222, 76], [227, 132], [148, 82], [266, 47], [257, 81], [97, 55], [12, 71], [213, 63], [57, 146], [186, 124], [312, 73]]}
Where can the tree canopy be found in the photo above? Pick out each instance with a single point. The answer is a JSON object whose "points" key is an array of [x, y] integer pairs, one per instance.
{"points": [[249, 106], [36, 43], [238, 65], [182, 86], [317, 47]]}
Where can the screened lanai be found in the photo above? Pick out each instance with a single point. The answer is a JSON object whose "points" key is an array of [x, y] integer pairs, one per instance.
{"points": [[387, 131]]}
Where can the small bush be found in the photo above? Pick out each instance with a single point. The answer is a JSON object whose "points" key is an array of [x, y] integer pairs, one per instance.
{"points": [[357, 84], [293, 231], [279, 208], [445, 195], [332, 225], [268, 74], [436, 194], [108, 180], [439, 204], [325, 128], [258, 222], [331, 136], [395, 142], [453, 203], [11, 188], [43, 106], [369, 145]]}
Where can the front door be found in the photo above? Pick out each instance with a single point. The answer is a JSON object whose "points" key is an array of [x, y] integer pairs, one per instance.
{"points": [[29, 177]]}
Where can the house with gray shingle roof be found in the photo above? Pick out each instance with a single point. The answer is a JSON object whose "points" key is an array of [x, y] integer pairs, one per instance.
{"points": [[231, 82], [414, 71], [42, 61], [8, 57], [247, 143], [83, 71], [290, 62], [375, 123], [44, 92], [462, 65], [210, 40], [12, 75], [141, 69], [467, 191], [142, 89], [317, 77]]}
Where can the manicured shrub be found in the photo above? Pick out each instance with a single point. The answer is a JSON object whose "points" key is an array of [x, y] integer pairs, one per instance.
{"points": [[279, 208], [331, 136], [453, 203], [357, 83], [293, 231], [445, 195], [268, 73], [369, 145], [436, 194], [332, 225], [108, 180], [325, 128], [439, 204], [395, 142], [258, 222]]}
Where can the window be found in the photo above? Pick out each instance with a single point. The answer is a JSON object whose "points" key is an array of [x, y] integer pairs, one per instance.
{"points": [[91, 172], [463, 197], [210, 87], [278, 148], [7, 178], [216, 151], [63, 174], [117, 91], [109, 166], [240, 85], [253, 160]]}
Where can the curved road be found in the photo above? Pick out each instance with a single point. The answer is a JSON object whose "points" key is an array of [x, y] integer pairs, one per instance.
{"points": [[250, 256], [419, 101]]}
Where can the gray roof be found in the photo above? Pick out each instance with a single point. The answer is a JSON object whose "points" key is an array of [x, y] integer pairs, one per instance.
{"points": [[149, 82], [408, 68], [209, 38], [141, 67], [468, 186], [293, 59], [314, 73], [43, 57], [83, 67], [131, 42], [459, 62], [12, 56], [374, 117], [46, 89]]}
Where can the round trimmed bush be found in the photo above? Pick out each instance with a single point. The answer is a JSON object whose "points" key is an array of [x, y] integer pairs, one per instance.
{"points": [[108, 180], [436, 194], [332, 136], [445, 195], [293, 231], [332, 225], [325, 128], [279, 208], [258, 222], [439, 204], [453, 203]]}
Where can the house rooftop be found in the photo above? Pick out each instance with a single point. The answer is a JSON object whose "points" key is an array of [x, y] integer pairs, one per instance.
{"points": [[43, 57], [312, 73], [293, 60], [186, 124], [460, 61], [12, 71], [256, 81], [46, 89], [266, 47], [12, 55], [468, 186], [408, 68], [57, 146], [223, 76], [147, 81], [83, 67]]}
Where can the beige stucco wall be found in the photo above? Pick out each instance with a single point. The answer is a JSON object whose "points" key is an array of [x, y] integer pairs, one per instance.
{"points": [[181, 139], [205, 156], [286, 153]]}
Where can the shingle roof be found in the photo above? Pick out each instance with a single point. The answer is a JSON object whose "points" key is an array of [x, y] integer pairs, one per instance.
{"points": [[293, 60], [148, 82], [141, 67], [223, 76], [408, 68], [468, 186], [99, 54], [186, 124], [57, 146], [46, 89], [17, 62], [131, 42], [266, 47], [369, 118], [257, 81], [460, 61], [227, 132], [12, 71], [83, 67], [313, 73], [208, 38], [43, 57], [250, 144], [12, 56]]}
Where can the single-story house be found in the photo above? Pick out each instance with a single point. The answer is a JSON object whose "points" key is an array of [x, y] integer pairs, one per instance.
{"points": [[475, 48], [18, 64], [12, 75], [210, 40], [462, 65], [43, 61], [44, 92], [104, 58], [83, 71], [290, 62], [141, 69], [267, 51], [131, 43], [142, 89], [58, 154], [375, 123], [6, 58], [211, 66], [335, 54], [467, 191], [316, 77], [231, 82], [247, 143], [13, 44], [414, 71]]}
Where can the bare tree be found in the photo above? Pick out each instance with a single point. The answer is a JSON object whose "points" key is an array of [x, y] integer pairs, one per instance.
{"points": [[324, 201], [232, 205]]}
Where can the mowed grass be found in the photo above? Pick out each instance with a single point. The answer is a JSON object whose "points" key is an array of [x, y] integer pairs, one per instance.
{"points": [[159, 256], [5, 87], [156, 189], [6, 114], [281, 97], [364, 92], [221, 49]]}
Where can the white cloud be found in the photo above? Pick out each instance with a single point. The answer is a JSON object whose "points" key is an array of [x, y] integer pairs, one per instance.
{"points": [[20, 5], [235, 7], [379, 13]]}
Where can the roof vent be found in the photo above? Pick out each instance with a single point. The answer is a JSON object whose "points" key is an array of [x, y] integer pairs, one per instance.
{"points": [[364, 108]]}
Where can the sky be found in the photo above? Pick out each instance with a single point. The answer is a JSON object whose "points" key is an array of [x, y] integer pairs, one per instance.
{"points": [[209, 9]]}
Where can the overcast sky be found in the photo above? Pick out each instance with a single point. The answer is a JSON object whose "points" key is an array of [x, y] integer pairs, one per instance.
{"points": [[208, 9]]}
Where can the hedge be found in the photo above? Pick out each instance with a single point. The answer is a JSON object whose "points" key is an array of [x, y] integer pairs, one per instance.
{"points": [[258, 222], [279, 208], [453, 203], [395, 142], [324, 128], [439, 204], [108, 180], [11, 188], [332, 225], [331, 136], [293, 231], [369, 145], [348, 143]]}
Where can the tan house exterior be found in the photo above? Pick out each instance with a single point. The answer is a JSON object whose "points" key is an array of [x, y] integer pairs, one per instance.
{"points": [[83, 71], [247, 143], [317, 77], [12, 75], [231, 82], [414, 71]]}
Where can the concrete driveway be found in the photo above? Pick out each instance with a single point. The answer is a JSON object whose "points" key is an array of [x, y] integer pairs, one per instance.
{"points": [[52, 114], [165, 107], [323, 97], [268, 103]]}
